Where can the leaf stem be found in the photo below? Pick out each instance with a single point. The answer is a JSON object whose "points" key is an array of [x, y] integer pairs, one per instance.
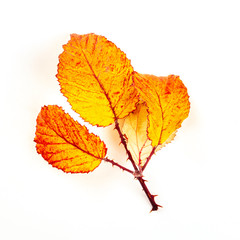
{"points": [[148, 158], [123, 141], [118, 165]]}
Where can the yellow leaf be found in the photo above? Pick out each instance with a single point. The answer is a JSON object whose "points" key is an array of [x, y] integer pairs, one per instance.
{"points": [[134, 128], [96, 78], [66, 144], [168, 104]]}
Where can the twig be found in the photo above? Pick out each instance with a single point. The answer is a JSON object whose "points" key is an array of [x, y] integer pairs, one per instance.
{"points": [[123, 141], [151, 197], [148, 158], [118, 165]]}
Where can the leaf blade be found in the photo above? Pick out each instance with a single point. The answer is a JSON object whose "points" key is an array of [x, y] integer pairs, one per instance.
{"points": [[66, 144], [96, 78], [134, 128], [168, 104]]}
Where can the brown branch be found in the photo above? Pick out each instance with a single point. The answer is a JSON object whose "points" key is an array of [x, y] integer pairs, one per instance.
{"points": [[118, 165], [123, 141], [151, 197]]}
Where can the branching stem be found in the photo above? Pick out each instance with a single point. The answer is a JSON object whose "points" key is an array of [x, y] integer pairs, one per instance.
{"points": [[138, 172]]}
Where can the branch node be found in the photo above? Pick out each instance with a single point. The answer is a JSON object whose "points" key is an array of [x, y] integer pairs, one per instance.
{"points": [[137, 173]]}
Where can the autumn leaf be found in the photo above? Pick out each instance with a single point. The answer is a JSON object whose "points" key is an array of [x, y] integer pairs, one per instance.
{"points": [[66, 144], [134, 127], [168, 105], [96, 78]]}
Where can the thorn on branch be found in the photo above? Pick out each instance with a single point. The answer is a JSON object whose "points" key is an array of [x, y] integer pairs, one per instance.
{"points": [[118, 165]]}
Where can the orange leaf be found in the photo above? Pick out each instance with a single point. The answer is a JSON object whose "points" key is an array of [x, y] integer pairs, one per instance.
{"points": [[168, 104], [96, 78], [66, 144]]}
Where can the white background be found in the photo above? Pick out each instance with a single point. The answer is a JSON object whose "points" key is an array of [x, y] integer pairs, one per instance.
{"points": [[197, 176]]}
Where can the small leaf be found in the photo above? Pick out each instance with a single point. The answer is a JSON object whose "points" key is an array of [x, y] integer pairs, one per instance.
{"points": [[96, 78], [66, 144], [134, 128], [168, 105]]}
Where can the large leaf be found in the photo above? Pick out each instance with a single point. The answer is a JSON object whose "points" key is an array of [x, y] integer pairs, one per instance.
{"points": [[66, 144], [96, 78], [168, 105]]}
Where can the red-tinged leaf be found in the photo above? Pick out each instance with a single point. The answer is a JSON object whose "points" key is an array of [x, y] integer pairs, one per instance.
{"points": [[65, 143]]}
